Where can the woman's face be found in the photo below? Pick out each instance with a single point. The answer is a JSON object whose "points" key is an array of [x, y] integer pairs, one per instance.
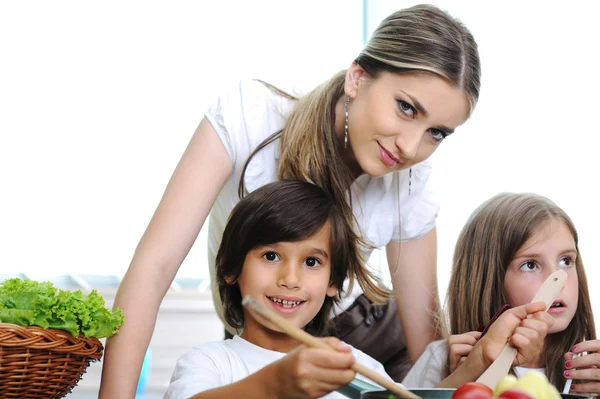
{"points": [[398, 120]]}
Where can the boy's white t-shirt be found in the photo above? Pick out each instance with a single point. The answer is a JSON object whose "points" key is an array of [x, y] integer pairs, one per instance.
{"points": [[215, 364], [430, 369], [248, 113]]}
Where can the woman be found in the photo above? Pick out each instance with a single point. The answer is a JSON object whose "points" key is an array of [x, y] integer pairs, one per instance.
{"points": [[364, 136]]}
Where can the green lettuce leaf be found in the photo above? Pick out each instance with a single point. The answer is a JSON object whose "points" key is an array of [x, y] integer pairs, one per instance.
{"points": [[17, 316], [28, 302]]}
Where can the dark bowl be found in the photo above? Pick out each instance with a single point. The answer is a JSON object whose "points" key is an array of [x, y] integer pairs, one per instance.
{"points": [[436, 393]]}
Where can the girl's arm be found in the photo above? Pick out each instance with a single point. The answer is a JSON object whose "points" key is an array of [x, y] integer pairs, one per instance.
{"points": [[414, 277], [585, 368], [188, 198]]}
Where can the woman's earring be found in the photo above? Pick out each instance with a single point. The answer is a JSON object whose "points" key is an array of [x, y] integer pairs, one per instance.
{"points": [[409, 180], [346, 125]]}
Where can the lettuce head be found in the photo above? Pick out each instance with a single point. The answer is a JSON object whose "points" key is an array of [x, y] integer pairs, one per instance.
{"points": [[32, 303]]}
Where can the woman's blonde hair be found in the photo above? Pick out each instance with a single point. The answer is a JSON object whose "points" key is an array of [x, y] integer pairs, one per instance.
{"points": [[486, 246], [418, 39]]}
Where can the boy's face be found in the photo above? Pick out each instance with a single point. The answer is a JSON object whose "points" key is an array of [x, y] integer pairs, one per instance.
{"points": [[290, 278], [550, 248]]}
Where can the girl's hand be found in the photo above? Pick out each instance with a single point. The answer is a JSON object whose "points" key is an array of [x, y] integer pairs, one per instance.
{"points": [[529, 339], [460, 345], [524, 327], [584, 368], [510, 327], [313, 372]]}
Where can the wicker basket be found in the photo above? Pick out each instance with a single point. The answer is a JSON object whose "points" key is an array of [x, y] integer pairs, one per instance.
{"points": [[39, 363]]}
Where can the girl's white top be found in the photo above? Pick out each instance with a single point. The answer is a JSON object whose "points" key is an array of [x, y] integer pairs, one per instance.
{"points": [[249, 112], [430, 369]]}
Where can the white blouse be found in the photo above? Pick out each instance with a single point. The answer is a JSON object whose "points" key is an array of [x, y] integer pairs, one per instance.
{"points": [[250, 112]]}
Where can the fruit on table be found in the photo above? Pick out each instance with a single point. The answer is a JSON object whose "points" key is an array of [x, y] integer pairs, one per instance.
{"points": [[473, 390], [515, 394], [507, 382], [532, 385]]}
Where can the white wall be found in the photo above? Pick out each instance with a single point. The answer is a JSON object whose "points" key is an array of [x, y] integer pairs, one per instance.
{"points": [[536, 125], [98, 101]]}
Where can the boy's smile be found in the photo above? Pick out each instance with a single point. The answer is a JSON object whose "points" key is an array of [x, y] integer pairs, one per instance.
{"points": [[286, 304], [292, 278]]}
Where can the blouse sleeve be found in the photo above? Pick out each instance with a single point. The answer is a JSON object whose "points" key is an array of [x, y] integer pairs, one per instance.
{"points": [[429, 370], [230, 114]]}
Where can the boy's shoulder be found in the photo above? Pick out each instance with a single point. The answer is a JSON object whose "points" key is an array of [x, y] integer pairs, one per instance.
{"points": [[230, 351], [214, 350], [206, 366], [220, 348], [363, 358]]}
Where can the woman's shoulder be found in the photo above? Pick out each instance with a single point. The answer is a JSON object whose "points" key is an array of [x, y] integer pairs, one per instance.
{"points": [[249, 109], [249, 93], [244, 113]]}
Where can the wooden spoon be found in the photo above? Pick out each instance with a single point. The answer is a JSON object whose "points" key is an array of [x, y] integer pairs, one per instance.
{"points": [[547, 294], [311, 341]]}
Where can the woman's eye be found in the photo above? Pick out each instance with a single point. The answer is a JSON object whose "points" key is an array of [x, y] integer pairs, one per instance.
{"points": [[407, 109], [528, 266], [437, 134], [312, 262], [271, 256], [566, 262]]}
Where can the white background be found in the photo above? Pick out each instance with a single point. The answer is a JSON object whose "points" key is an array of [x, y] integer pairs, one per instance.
{"points": [[536, 125], [99, 99]]}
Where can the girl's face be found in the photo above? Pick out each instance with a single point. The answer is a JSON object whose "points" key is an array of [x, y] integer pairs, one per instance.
{"points": [[549, 248], [398, 120], [290, 278]]}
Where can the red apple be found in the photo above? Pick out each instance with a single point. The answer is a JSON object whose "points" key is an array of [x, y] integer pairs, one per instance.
{"points": [[473, 390], [515, 394]]}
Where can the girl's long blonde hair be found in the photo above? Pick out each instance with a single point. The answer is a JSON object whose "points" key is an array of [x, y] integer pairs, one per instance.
{"points": [[486, 246], [422, 38]]}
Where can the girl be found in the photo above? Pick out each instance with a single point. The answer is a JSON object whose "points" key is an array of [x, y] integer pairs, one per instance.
{"points": [[364, 136], [288, 246], [504, 253]]}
